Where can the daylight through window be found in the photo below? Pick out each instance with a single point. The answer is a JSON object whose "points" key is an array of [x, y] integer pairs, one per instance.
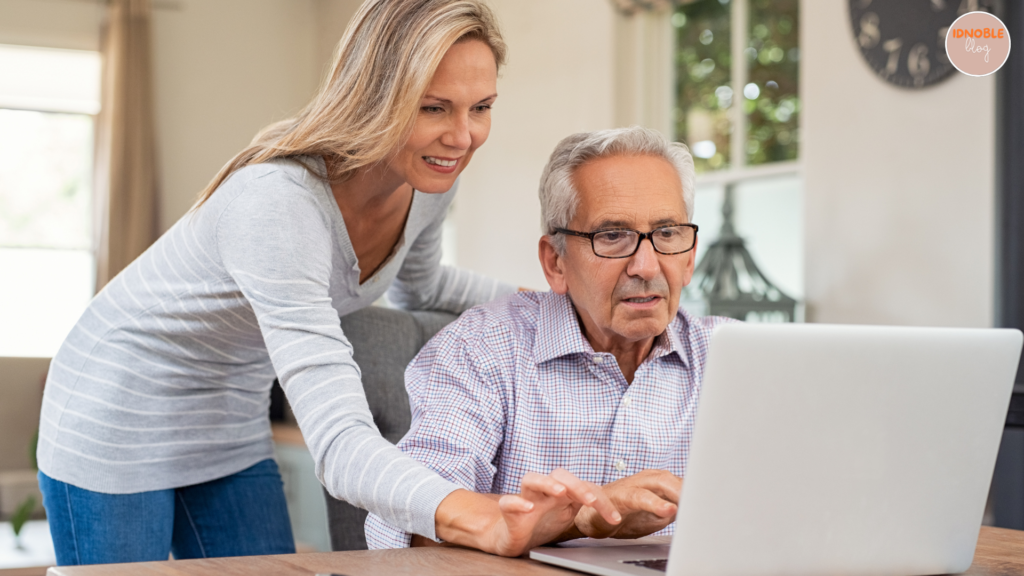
{"points": [[47, 102]]}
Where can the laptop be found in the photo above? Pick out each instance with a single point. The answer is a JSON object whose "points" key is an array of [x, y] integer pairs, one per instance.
{"points": [[820, 449]]}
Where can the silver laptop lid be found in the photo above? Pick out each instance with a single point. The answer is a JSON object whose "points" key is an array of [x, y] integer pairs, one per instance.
{"points": [[843, 449]]}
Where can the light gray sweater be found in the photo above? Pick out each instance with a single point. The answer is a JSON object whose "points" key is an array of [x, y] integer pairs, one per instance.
{"points": [[164, 380]]}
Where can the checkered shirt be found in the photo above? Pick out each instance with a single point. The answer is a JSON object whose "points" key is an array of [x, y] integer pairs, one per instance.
{"points": [[513, 387]]}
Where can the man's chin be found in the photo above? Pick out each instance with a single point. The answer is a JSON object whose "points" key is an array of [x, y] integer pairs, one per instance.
{"points": [[646, 324]]}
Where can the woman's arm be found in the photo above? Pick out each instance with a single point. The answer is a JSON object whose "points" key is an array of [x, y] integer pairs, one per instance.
{"points": [[274, 241]]}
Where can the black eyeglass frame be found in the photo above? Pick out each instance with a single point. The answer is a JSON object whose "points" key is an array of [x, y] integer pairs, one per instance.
{"points": [[641, 236]]}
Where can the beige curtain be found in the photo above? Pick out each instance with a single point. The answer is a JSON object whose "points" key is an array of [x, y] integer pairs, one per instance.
{"points": [[125, 191]]}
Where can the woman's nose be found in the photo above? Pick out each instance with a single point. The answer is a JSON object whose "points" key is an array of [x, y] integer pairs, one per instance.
{"points": [[458, 135]]}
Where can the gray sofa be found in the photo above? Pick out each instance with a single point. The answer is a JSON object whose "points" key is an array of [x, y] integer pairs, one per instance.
{"points": [[384, 341]]}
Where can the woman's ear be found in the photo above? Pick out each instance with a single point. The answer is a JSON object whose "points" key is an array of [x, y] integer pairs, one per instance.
{"points": [[552, 264]]}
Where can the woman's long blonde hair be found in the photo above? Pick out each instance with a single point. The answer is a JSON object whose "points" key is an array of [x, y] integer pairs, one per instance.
{"points": [[366, 108]]}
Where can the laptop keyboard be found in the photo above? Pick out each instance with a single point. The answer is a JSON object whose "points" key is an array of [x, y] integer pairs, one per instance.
{"points": [[661, 564]]}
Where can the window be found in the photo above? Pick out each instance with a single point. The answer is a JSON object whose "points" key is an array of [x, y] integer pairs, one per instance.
{"points": [[737, 98], [738, 109], [47, 101]]}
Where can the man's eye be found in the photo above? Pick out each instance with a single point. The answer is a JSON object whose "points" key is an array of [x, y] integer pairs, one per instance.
{"points": [[667, 233], [612, 236]]}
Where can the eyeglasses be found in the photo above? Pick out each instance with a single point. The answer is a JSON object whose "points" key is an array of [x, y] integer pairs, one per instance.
{"points": [[623, 242]]}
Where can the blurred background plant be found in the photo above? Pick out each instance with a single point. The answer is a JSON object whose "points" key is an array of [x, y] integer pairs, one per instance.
{"points": [[707, 90]]}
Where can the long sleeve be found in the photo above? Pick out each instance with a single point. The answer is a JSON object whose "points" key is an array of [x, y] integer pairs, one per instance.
{"points": [[276, 244], [458, 420], [423, 283]]}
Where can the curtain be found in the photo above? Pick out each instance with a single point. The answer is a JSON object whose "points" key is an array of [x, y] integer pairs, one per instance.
{"points": [[125, 188]]}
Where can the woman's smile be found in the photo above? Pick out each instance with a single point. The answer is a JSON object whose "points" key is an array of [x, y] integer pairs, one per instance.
{"points": [[441, 164]]}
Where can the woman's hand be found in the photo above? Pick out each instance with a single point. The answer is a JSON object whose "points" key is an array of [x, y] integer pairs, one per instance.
{"points": [[511, 525], [648, 501]]}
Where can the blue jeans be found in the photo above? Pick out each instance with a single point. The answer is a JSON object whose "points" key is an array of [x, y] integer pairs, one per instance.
{"points": [[240, 515]]}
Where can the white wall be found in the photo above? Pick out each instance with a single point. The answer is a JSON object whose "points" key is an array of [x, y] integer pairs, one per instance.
{"points": [[899, 201], [559, 80], [223, 69], [332, 17]]}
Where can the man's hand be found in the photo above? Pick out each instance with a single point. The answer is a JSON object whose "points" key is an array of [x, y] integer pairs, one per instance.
{"points": [[647, 500], [511, 525]]}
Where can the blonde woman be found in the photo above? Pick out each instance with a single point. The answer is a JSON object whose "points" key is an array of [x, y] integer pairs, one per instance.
{"points": [[154, 435]]}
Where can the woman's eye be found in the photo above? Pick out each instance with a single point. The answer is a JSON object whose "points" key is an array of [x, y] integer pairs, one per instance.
{"points": [[482, 108], [432, 109]]}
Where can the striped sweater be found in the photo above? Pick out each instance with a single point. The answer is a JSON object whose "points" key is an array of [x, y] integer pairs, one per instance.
{"points": [[164, 380]]}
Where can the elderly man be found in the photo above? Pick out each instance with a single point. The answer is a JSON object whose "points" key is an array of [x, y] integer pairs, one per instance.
{"points": [[601, 375]]}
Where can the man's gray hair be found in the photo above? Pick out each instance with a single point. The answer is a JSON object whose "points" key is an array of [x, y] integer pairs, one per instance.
{"points": [[559, 199]]}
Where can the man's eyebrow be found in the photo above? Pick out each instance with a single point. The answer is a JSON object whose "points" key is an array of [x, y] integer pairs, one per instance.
{"points": [[667, 222], [607, 224]]}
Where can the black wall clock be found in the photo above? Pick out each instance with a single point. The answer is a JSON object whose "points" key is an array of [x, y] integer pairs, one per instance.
{"points": [[904, 41]]}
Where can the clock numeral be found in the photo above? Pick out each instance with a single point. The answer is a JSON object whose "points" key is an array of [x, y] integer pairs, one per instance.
{"points": [[893, 47], [940, 54], [918, 64], [967, 6], [869, 32]]}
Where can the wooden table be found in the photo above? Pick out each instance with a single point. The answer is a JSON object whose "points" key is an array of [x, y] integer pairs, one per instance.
{"points": [[1000, 553]]}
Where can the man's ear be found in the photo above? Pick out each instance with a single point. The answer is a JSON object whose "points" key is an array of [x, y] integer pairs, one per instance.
{"points": [[552, 264]]}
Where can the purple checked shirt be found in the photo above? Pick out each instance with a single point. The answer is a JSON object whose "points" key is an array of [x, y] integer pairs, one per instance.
{"points": [[513, 387]]}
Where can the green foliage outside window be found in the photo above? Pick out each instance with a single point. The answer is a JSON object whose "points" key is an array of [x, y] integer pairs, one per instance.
{"points": [[774, 52], [769, 94], [703, 75]]}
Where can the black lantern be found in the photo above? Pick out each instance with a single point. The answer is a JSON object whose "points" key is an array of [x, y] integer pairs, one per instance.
{"points": [[727, 282]]}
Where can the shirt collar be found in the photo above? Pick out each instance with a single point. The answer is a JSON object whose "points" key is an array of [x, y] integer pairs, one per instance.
{"points": [[559, 333]]}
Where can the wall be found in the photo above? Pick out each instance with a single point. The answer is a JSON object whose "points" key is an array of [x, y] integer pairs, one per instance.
{"points": [[559, 80], [332, 17], [899, 201], [21, 388], [222, 70]]}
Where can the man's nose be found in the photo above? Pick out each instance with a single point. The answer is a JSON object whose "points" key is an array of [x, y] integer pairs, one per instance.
{"points": [[458, 135], [644, 262]]}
